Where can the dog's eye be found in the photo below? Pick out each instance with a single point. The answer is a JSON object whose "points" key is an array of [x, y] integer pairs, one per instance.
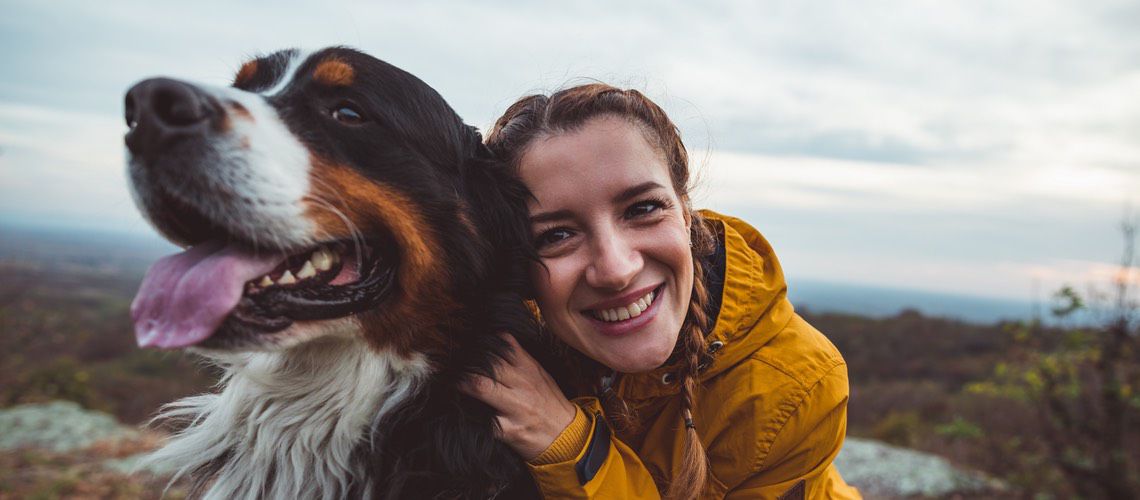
{"points": [[348, 114]]}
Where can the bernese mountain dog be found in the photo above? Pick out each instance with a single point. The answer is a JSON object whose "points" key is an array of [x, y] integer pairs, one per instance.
{"points": [[353, 250]]}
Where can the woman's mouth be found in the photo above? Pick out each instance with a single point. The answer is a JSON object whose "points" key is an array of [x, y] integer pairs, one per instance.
{"points": [[622, 313], [623, 319]]}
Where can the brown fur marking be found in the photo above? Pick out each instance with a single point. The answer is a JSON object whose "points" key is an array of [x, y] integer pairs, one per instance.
{"points": [[245, 73], [334, 73], [420, 305], [241, 111]]}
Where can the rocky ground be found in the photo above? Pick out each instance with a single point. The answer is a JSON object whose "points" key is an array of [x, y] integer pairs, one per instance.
{"points": [[883, 471], [59, 450]]}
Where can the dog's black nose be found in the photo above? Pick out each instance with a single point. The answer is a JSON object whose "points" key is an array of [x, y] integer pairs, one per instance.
{"points": [[161, 110]]}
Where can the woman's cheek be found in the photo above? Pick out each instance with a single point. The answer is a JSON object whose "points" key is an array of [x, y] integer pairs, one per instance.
{"points": [[548, 279]]}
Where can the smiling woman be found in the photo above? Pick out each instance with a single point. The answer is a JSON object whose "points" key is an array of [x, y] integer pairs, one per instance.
{"points": [[677, 321], [613, 253]]}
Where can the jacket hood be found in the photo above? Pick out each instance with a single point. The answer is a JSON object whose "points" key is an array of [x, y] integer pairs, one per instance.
{"points": [[754, 308]]}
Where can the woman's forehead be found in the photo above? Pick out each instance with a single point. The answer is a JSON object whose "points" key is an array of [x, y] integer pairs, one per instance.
{"points": [[606, 153]]}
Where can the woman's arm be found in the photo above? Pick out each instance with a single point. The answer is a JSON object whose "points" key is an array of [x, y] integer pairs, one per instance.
{"points": [[585, 461]]}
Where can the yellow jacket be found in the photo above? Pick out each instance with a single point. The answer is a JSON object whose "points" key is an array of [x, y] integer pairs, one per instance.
{"points": [[771, 409]]}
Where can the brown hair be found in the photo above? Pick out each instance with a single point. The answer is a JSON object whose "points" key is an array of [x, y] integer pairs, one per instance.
{"points": [[537, 116]]}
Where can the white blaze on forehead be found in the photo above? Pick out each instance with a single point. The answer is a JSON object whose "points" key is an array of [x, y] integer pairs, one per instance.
{"points": [[296, 59]]}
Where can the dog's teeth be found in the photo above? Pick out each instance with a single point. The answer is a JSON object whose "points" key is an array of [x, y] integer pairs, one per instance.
{"points": [[265, 281], [321, 259], [307, 271], [286, 279]]}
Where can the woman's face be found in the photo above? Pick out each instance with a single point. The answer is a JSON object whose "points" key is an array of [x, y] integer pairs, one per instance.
{"points": [[613, 236]]}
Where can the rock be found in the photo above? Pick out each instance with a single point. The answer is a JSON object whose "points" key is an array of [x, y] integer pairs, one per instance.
{"points": [[883, 471], [59, 426]]}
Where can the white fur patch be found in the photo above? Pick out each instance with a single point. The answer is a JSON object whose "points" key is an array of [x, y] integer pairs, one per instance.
{"points": [[287, 423], [298, 58]]}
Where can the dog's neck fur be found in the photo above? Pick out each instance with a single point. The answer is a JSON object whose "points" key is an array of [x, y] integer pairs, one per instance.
{"points": [[288, 424]]}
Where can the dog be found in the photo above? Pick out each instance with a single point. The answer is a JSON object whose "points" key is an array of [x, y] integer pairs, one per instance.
{"points": [[353, 250]]}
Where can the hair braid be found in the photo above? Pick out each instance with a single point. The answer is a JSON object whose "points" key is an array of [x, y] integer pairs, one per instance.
{"points": [[693, 473]]}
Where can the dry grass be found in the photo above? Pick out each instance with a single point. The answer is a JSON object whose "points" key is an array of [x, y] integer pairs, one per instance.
{"points": [[41, 475]]}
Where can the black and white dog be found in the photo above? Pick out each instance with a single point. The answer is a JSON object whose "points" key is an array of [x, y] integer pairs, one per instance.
{"points": [[352, 251]]}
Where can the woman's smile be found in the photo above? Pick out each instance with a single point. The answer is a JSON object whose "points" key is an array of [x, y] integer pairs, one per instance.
{"points": [[626, 316]]}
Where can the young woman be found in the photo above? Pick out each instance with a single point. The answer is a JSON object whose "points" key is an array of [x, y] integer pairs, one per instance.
{"points": [[675, 320]]}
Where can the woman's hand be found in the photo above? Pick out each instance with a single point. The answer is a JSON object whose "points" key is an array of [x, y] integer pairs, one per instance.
{"points": [[532, 410]]}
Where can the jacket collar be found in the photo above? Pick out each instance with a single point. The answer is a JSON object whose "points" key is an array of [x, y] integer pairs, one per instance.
{"points": [[754, 308]]}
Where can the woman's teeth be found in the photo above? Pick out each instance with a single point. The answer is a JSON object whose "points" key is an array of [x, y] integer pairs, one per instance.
{"points": [[321, 260], [623, 313]]}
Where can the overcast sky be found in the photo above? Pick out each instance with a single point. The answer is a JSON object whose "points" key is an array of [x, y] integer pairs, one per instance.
{"points": [[972, 147]]}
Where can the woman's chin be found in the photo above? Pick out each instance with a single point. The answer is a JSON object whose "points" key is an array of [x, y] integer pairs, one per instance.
{"points": [[640, 360]]}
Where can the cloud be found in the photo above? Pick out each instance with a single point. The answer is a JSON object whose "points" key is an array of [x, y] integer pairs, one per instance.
{"points": [[66, 165], [816, 183], [943, 145]]}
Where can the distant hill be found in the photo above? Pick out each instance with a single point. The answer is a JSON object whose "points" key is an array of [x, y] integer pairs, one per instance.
{"points": [[819, 296], [127, 253]]}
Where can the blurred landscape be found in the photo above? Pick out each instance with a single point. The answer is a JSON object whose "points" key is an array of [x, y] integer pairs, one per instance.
{"points": [[921, 377]]}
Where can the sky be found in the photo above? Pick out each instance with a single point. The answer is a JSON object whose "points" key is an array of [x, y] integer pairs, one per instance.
{"points": [[982, 148]]}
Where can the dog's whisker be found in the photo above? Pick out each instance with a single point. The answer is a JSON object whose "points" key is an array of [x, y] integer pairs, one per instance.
{"points": [[354, 231], [326, 187]]}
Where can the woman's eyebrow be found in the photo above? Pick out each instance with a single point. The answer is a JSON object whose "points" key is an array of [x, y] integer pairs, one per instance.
{"points": [[549, 216], [636, 191]]}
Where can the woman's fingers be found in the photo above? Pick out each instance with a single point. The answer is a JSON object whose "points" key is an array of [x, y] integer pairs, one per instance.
{"points": [[506, 400], [488, 391], [518, 368], [531, 410]]}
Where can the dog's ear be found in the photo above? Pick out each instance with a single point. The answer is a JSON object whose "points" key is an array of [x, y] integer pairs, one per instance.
{"points": [[498, 200]]}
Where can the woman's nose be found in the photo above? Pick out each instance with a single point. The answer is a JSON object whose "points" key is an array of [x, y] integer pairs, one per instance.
{"points": [[615, 263]]}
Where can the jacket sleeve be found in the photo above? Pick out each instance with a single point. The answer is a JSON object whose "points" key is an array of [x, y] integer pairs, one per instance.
{"points": [[604, 467], [798, 463]]}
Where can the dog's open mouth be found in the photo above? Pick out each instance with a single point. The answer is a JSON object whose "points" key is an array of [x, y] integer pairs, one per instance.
{"points": [[213, 292]]}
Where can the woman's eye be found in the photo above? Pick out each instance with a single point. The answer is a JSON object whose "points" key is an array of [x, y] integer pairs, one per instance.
{"points": [[348, 114], [551, 237], [642, 208]]}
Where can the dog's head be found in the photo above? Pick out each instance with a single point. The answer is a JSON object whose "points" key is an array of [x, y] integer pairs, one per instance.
{"points": [[324, 193]]}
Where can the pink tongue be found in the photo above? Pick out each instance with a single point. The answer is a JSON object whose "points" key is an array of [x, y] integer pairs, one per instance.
{"points": [[186, 296]]}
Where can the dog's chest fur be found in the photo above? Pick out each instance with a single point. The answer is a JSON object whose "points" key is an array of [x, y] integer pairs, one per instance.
{"points": [[261, 437]]}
